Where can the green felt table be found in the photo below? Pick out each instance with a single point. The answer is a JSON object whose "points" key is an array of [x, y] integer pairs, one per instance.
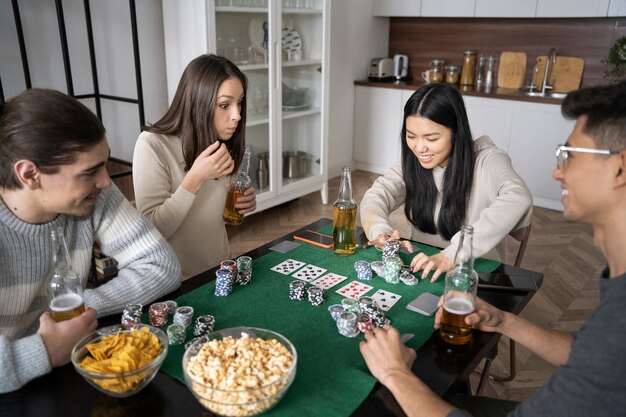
{"points": [[332, 378]]}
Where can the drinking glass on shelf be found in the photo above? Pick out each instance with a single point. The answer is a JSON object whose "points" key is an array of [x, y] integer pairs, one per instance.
{"points": [[258, 99]]}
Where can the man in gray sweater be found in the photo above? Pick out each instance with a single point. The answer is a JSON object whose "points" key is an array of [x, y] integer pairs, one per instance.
{"points": [[590, 380], [53, 152]]}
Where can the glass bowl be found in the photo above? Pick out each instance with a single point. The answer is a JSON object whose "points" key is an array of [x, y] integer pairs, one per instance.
{"points": [[123, 383], [237, 402]]}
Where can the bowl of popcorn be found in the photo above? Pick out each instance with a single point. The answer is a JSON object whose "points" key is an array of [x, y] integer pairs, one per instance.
{"points": [[120, 362], [241, 371]]}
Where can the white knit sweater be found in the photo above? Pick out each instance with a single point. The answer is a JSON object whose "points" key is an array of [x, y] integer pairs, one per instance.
{"points": [[148, 269]]}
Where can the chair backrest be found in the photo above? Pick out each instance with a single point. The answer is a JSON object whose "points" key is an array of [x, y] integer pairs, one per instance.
{"points": [[521, 235]]}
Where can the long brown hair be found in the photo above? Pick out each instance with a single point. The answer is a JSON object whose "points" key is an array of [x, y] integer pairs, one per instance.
{"points": [[190, 117]]}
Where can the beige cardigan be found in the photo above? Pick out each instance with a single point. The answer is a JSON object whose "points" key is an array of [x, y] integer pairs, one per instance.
{"points": [[499, 203], [192, 224]]}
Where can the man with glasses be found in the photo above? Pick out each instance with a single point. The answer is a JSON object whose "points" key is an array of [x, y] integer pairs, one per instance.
{"points": [[590, 380]]}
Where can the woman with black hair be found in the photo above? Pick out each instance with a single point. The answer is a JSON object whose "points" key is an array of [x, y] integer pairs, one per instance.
{"points": [[181, 163], [445, 180]]}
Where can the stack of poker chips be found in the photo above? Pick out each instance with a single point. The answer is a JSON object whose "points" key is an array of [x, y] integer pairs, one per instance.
{"points": [[131, 315], [204, 325], [406, 277], [364, 323], [183, 316], [244, 270], [297, 290], [392, 269], [335, 310], [176, 334], [346, 324], [158, 314], [369, 307], [378, 267], [230, 265], [316, 295], [243, 277], [350, 304], [223, 282], [391, 248], [363, 270], [171, 307]]}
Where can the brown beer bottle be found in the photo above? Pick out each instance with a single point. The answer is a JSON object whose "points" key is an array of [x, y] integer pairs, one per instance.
{"points": [[344, 217], [239, 183], [66, 293], [460, 292]]}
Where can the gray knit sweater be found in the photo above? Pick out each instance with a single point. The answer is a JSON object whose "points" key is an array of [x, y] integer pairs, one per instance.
{"points": [[148, 270]]}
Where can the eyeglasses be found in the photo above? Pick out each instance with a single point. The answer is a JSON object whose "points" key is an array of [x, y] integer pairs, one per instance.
{"points": [[562, 153]]}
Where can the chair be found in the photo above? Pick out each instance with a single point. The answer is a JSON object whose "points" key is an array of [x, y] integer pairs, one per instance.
{"points": [[521, 235]]}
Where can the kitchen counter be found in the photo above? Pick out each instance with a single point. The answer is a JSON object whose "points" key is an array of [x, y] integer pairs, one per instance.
{"points": [[499, 93]]}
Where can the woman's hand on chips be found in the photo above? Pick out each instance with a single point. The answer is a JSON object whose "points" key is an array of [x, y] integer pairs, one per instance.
{"points": [[380, 240], [439, 263], [60, 338]]}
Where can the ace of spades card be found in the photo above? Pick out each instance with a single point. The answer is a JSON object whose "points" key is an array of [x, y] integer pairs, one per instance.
{"points": [[385, 299], [354, 290], [287, 267]]}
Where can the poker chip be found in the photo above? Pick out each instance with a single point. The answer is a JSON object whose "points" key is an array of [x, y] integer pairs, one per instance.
{"points": [[363, 270], [230, 265], [393, 264], [378, 267], [364, 322], [373, 310], [391, 248], [335, 310], [183, 316], [244, 263], [409, 279], [243, 277], [158, 314], [223, 282], [350, 304], [131, 315], [315, 295], [204, 325], [346, 324], [176, 334], [297, 290], [171, 307]]}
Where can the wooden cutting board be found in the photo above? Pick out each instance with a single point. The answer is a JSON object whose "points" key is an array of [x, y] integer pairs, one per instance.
{"points": [[566, 73], [511, 70]]}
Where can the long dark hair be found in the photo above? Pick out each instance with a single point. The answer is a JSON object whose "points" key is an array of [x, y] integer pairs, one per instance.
{"points": [[190, 116], [442, 104], [46, 127]]}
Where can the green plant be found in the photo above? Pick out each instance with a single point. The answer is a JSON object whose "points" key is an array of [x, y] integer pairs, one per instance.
{"points": [[617, 60]]}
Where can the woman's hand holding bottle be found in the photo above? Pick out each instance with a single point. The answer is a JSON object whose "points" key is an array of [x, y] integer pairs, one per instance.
{"points": [[214, 162]]}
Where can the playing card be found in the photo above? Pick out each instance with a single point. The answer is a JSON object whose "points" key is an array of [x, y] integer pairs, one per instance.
{"points": [[385, 299], [309, 273], [329, 280], [354, 290], [285, 246], [287, 267]]}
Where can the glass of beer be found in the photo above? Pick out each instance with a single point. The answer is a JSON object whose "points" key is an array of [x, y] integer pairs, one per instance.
{"points": [[459, 298], [66, 306]]}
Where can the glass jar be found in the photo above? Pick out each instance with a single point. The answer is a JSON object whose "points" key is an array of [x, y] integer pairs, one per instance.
{"points": [[435, 74], [453, 72], [469, 64]]}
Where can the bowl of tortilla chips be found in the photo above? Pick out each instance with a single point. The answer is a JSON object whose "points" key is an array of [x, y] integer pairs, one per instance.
{"points": [[120, 362]]}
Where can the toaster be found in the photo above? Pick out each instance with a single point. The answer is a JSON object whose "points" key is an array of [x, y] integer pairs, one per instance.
{"points": [[380, 69]]}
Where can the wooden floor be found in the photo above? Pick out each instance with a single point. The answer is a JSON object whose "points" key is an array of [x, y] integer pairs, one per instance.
{"points": [[563, 251]]}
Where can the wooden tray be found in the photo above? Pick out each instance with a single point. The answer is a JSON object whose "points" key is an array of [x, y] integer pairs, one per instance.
{"points": [[511, 70], [566, 73]]}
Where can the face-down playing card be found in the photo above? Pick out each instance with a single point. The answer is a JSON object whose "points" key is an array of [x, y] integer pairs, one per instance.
{"points": [[354, 290], [385, 299], [329, 280], [287, 267], [309, 273]]}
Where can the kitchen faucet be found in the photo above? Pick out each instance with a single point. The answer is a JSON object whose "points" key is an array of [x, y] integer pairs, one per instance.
{"points": [[551, 59]]}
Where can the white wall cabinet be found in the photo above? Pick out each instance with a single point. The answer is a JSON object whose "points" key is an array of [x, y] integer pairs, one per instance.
{"points": [[617, 8], [572, 8], [275, 121], [408, 8], [504, 8], [529, 132], [448, 8]]}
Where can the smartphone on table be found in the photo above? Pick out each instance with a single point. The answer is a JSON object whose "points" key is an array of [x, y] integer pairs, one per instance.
{"points": [[315, 238]]}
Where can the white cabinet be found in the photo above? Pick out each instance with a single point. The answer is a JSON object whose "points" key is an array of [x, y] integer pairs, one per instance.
{"points": [[396, 7], [377, 125], [505, 8], [617, 8], [529, 132], [572, 8], [448, 8], [287, 85]]}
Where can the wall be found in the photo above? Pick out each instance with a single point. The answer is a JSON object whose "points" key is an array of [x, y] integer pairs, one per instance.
{"points": [[114, 58], [426, 38]]}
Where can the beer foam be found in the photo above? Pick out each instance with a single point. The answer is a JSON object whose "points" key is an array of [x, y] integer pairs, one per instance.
{"points": [[66, 302], [459, 306]]}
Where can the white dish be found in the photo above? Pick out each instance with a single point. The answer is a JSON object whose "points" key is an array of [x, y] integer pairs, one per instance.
{"points": [[291, 41], [256, 33]]}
